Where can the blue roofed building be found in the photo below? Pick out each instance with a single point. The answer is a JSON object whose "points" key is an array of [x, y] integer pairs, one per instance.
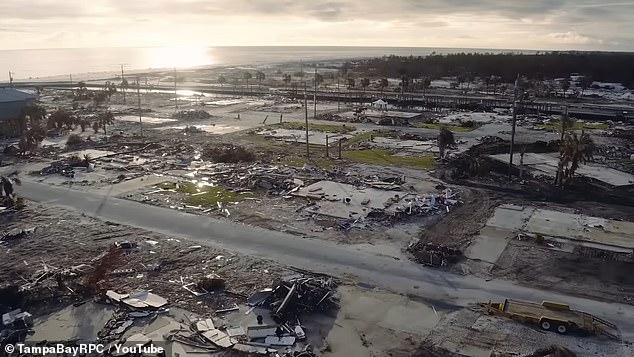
{"points": [[12, 104]]}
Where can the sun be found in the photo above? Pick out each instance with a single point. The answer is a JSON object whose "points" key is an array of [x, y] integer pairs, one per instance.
{"points": [[179, 57]]}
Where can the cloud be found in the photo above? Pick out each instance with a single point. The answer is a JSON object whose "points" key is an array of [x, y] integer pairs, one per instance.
{"points": [[547, 24], [572, 38]]}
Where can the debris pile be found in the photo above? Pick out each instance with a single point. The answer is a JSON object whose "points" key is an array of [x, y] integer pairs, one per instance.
{"points": [[275, 179], [434, 254], [191, 114], [426, 205], [192, 129], [490, 139], [59, 167], [297, 294], [331, 117], [15, 326], [15, 234]]}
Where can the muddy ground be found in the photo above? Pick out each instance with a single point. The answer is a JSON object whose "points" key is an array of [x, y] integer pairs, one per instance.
{"points": [[545, 268], [527, 262]]}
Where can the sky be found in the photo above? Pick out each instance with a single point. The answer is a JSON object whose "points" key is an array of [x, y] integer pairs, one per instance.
{"points": [[494, 24]]}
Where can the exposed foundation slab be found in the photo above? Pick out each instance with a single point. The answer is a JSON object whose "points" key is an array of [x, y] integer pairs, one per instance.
{"points": [[489, 245], [546, 164]]}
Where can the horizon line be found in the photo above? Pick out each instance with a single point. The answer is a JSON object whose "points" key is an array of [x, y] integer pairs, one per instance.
{"points": [[319, 46]]}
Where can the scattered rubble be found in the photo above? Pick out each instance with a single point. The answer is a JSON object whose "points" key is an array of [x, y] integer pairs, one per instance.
{"points": [[15, 234]]}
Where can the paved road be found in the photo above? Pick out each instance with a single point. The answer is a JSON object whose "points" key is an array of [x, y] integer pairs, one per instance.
{"points": [[439, 288]]}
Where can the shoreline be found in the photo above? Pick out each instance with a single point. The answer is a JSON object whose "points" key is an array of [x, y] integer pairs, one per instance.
{"points": [[26, 66]]}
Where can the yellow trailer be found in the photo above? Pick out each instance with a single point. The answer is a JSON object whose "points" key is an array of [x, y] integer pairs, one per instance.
{"points": [[553, 316]]}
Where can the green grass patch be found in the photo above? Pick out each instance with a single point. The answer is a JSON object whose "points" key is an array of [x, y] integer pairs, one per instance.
{"points": [[205, 196], [384, 157], [260, 140], [628, 163], [325, 128], [555, 127], [453, 128], [361, 137]]}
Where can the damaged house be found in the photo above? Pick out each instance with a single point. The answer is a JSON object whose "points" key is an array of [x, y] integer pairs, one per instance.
{"points": [[12, 104]]}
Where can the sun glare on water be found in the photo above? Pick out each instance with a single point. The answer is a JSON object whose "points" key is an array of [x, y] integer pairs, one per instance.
{"points": [[180, 57]]}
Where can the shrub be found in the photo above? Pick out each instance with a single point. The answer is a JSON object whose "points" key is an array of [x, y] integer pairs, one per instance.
{"points": [[539, 239], [229, 154], [74, 140]]}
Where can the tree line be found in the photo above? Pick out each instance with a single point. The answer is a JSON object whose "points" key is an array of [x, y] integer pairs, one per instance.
{"points": [[601, 66]]}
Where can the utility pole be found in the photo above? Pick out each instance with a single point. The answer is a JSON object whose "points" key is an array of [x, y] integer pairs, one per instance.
{"points": [[315, 96], [70, 76], [338, 93], [306, 119], [122, 81], [138, 95], [175, 94], [513, 125]]}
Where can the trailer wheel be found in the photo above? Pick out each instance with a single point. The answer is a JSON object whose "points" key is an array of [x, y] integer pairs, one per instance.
{"points": [[545, 325], [562, 329]]}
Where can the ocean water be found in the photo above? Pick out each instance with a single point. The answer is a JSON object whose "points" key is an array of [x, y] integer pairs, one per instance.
{"points": [[41, 63]]}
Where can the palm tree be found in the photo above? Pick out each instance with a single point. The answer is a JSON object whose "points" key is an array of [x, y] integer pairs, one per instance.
{"points": [[351, 83], [383, 83], [247, 76], [575, 150], [100, 98], [565, 85], [585, 83], [110, 89], [32, 115], [103, 119], [82, 91], [425, 83], [495, 80], [445, 138], [260, 76], [286, 78], [404, 83], [124, 85], [566, 123], [365, 83], [32, 138], [60, 118]]}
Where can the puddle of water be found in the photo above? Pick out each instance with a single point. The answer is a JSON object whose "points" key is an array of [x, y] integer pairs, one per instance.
{"points": [[214, 129]]}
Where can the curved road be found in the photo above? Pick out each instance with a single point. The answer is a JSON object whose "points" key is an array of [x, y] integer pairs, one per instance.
{"points": [[437, 287]]}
